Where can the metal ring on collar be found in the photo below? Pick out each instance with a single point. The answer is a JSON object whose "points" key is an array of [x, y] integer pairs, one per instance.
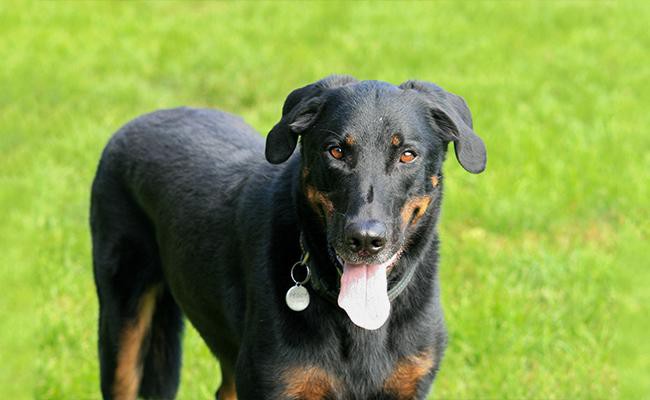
{"points": [[306, 277]]}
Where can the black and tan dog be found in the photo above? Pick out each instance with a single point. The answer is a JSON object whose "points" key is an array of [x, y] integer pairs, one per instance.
{"points": [[189, 218]]}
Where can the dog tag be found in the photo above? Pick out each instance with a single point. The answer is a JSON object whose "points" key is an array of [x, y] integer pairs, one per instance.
{"points": [[297, 298]]}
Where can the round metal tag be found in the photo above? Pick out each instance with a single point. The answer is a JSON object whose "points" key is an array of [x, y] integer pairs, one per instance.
{"points": [[297, 298]]}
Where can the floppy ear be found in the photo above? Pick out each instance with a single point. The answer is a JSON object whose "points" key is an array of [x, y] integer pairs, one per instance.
{"points": [[300, 110], [451, 114]]}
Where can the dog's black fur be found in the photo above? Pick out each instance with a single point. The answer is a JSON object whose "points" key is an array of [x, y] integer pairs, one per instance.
{"points": [[187, 215]]}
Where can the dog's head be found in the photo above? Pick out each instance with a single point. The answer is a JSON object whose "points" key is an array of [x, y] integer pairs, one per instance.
{"points": [[372, 156]]}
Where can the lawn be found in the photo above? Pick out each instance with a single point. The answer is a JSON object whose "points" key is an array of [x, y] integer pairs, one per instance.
{"points": [[545, 271]]}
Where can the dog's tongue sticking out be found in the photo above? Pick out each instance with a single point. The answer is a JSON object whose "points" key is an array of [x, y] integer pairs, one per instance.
{"points": [[364, 294]]}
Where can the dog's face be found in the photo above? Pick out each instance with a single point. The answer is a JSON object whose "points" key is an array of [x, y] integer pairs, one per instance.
{"points": [[369, 167], [372, 155]]}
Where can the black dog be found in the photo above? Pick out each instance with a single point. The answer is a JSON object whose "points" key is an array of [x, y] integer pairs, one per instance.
{"points": [[188, 218]]}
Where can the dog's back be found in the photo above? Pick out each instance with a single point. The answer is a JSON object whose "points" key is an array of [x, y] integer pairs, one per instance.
{"points": [[168, 151]]}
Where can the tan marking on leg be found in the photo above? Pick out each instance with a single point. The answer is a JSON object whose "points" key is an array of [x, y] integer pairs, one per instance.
{"points": [[319, 202], [408, 372], [304, 173], [129, 364], [227, 391], [308, 383], [434, 180], [414, 209], [395, 140], [350, 140]]}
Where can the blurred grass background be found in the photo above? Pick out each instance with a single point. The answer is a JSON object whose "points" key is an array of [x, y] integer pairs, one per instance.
{"points": [[545, 256]]}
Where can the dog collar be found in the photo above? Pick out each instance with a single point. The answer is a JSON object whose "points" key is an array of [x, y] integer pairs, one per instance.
{"points": [[331, 293]]}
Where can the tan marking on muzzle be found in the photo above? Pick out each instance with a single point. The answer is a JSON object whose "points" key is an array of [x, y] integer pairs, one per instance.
{"points": [[319, 202], [308, 383], [408, 373], [129, 363], [434, 180], [414, 209]]}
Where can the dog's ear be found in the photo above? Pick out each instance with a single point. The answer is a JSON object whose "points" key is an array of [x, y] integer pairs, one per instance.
{"points": [[451, 114], [300, 110]]}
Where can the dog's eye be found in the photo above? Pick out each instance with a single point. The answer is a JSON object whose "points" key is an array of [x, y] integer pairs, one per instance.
{"points": [[336, 152], [407, 157]]}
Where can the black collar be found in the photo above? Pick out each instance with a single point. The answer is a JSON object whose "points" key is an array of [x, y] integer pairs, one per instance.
{"points": [[332, 293]]}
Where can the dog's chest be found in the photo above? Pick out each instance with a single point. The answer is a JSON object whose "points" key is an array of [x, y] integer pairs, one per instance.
{"points": [[359, 370], [400, 382]]}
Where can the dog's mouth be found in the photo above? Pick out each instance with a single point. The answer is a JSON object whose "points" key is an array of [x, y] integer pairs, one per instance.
{"points": [[338, 261], [364, 290]]}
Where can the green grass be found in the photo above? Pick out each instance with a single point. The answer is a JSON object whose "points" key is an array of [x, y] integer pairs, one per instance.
{"points": [[545, 256]]}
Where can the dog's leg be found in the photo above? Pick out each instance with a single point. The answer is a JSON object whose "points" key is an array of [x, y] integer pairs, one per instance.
{"points": [[161, 363], [140, 352], [227, 389], [132, 336], [140, 325]]}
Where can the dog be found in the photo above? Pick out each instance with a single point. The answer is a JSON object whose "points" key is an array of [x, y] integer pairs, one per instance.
{"points": [[309, 274]]}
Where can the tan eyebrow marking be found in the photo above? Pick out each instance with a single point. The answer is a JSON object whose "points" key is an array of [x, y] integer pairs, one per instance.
{"points": [[395, 140]]}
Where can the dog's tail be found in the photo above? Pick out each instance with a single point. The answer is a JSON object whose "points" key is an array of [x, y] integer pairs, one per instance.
{"points": [[140, 324]]}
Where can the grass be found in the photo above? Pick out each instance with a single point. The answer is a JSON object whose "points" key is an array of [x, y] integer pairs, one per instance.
{"points": [[545, 256]]}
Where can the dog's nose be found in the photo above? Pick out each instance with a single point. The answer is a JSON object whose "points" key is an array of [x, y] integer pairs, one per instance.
{"points": [[365, 237]]}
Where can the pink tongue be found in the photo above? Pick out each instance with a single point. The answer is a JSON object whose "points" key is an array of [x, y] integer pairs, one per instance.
{"points": [[364, 294]]}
